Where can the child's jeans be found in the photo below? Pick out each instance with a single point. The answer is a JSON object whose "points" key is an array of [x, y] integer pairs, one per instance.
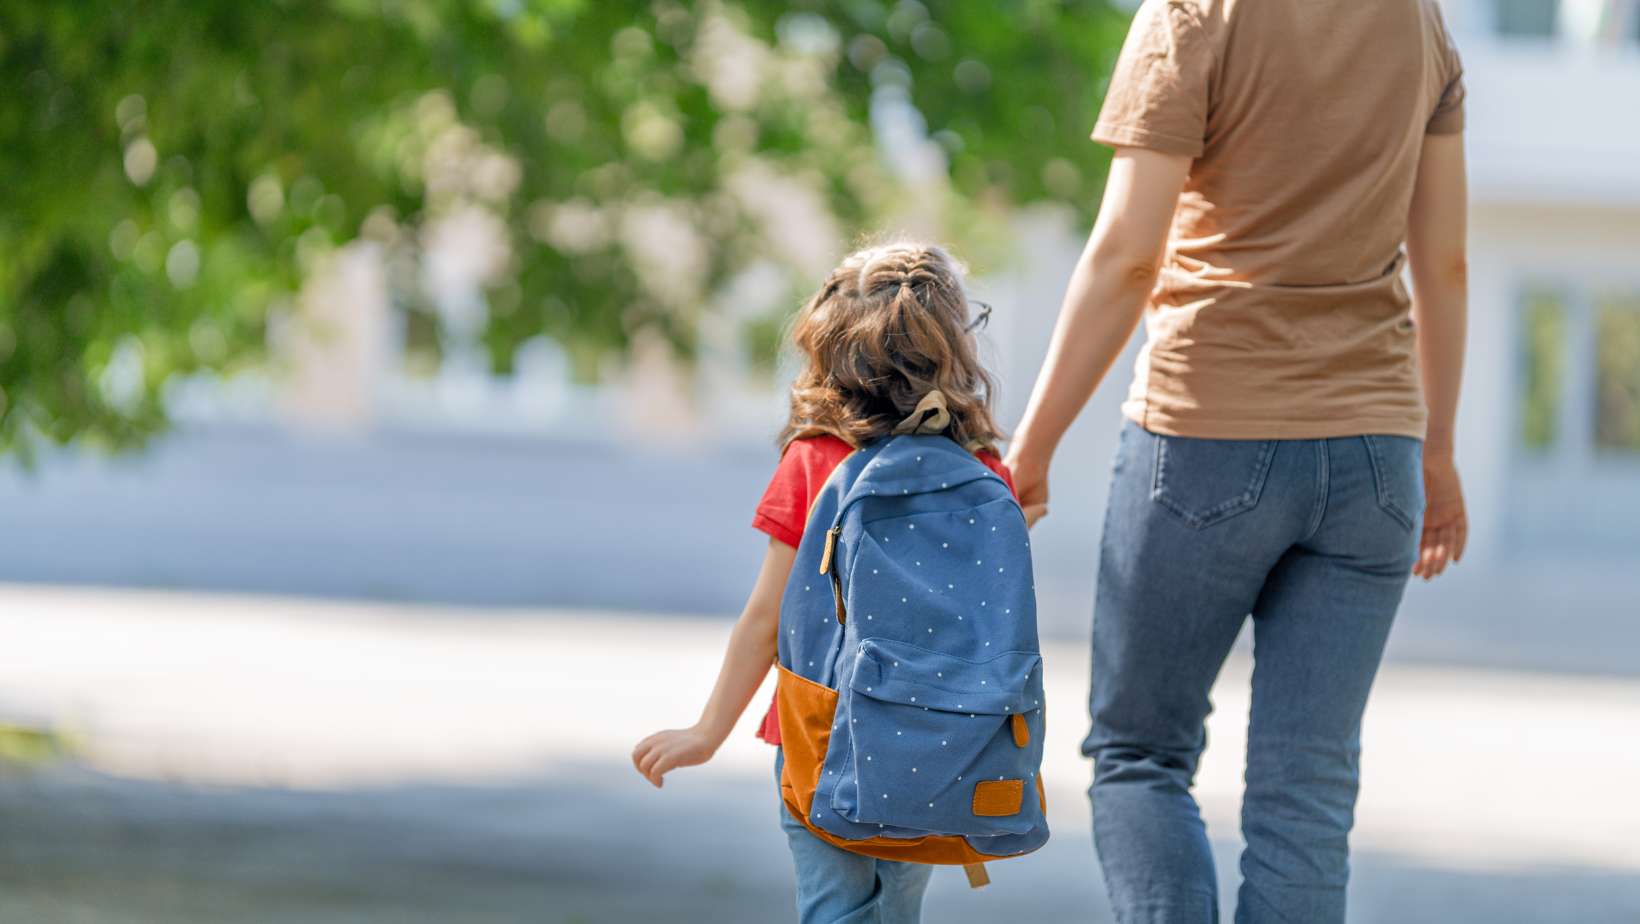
{"points": [[838, 887]]}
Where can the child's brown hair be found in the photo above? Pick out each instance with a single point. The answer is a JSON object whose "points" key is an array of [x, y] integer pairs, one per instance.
{"points": [[890, 324]]}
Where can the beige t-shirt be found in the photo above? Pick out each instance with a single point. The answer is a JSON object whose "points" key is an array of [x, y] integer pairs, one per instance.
{"points": [[1280, 312]]}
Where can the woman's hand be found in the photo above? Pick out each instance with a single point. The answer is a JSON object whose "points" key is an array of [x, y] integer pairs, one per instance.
{"points": [[1446, 523], [668, 750], [1437, 252], [1031, 483]]}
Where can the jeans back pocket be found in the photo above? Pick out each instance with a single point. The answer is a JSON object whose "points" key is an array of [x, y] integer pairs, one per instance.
{"points": [[1398, 475], [1203, 481]]}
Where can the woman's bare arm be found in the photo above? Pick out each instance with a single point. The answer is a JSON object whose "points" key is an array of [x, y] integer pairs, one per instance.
{"points": [[1106, 296], [1437, 251], [752, 649]]}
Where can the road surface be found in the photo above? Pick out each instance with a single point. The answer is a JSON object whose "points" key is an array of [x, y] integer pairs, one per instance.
{"points": [[300, 761]]}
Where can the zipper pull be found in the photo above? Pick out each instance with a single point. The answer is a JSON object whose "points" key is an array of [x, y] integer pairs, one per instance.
{"points": [[831, 547]]}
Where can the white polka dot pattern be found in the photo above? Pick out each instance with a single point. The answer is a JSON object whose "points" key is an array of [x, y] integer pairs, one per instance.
{"points": [[930, 677]]}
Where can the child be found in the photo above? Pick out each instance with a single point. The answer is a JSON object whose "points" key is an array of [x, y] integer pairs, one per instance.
{"points": [[890, 326]]}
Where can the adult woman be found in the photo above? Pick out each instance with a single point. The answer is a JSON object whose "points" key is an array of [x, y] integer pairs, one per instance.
{"points": [[1272, 159]]}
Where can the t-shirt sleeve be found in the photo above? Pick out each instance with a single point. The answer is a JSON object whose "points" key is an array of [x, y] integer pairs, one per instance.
{"points": [[1447, 119], [1158, 96], [785, 504], [802, 472]]}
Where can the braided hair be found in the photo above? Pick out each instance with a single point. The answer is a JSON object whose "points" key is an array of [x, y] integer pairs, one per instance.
{"points": [[887, 327]]}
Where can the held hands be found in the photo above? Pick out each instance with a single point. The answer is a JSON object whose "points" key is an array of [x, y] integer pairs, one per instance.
{"points": [[1446, 523], [668, 750], [1031, 483]]}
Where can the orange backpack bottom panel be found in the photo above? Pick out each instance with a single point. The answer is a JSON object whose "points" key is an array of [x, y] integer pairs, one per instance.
{"points": [[807, 711]]}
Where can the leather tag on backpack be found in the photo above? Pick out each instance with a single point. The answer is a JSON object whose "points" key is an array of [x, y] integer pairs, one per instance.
{"points": [[998, 797], [977, 876]]}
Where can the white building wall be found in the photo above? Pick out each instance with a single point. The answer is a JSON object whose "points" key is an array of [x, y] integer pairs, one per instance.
{"points": [[1554, 157]]}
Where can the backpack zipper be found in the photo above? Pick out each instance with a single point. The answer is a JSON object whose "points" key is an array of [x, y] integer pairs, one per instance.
{"points": [[826, 568], [831, 549]]}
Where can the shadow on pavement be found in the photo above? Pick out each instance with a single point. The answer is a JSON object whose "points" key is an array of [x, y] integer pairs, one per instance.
{"points": [[581, 843]]}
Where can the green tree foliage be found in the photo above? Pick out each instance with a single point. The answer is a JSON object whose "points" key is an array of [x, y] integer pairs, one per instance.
{"points": [[170, 171]]}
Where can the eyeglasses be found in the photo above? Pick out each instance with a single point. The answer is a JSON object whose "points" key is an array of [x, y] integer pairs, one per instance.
{"points": [[980, 319]]}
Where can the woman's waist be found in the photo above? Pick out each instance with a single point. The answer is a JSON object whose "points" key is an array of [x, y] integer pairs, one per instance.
{"points": [[1263, 321], [1189, 390], [1193, 274]]}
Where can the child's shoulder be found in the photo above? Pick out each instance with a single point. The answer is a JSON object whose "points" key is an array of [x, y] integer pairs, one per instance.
{"points": [[815, 457], [805, 464], [810, 451]]}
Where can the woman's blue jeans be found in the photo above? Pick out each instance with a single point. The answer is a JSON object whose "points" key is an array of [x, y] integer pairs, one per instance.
{"points": [[1315, 539]]}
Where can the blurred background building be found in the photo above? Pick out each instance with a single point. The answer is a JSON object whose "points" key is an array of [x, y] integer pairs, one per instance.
{"points": [[532, 377]]}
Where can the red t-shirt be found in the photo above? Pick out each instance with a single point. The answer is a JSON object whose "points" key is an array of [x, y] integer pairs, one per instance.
{"points": [[784, 509]]}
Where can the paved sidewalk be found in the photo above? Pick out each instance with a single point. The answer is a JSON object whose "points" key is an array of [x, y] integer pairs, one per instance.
{"points": [[268, 760]]}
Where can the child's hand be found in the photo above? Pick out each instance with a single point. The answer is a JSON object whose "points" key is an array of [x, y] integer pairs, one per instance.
{"points": [[668, 750]]}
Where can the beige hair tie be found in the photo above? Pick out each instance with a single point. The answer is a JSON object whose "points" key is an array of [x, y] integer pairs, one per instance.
{"points": [[930, 416]]}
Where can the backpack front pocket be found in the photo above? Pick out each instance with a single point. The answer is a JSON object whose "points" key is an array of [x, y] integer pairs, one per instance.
{"points": [[940, 744]]}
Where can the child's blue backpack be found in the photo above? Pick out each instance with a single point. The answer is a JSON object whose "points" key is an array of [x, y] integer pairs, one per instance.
{"points": [[910, 683]]}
